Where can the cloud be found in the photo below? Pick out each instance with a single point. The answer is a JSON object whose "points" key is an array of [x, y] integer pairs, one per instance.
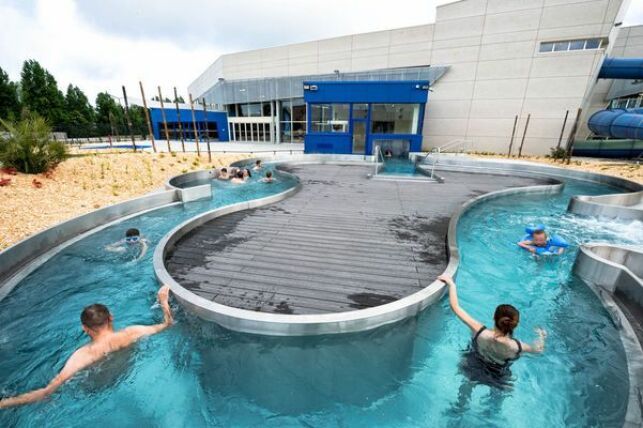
{"points": [[101, 45]]}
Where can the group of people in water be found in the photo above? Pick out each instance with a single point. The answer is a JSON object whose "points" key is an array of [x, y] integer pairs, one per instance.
{"points": [[242, 175], [487, 360]]}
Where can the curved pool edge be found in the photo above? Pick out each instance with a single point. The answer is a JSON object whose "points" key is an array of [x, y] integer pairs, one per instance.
{"points": [[602, 275], [20, 259], [305, 325], [619, 206]]}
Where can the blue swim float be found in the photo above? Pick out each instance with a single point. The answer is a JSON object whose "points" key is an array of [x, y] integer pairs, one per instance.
{"points": [[554, 242]]}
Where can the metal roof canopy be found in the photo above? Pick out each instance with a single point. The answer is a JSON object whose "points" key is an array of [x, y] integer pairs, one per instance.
{"points": [[278, 88]]}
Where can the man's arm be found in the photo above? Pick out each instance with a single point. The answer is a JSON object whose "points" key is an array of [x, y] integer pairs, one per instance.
{"points": [[143, 249], [135, 332], [78, 361]]}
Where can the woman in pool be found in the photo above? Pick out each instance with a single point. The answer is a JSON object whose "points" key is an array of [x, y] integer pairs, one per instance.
{"points": [[495, 348], [492, 351], [246, 174]]}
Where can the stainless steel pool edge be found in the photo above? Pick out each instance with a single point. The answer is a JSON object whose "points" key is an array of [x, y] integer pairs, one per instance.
{"points": [[302, 325], [31, 252], [618, 206], [469, 164], [602, 275]]}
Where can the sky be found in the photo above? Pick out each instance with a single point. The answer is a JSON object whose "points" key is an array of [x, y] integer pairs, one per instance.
{"points": [[100, 45]]}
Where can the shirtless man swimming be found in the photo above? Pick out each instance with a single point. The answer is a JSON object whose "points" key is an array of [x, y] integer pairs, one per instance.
{"points": [[97, 323]]}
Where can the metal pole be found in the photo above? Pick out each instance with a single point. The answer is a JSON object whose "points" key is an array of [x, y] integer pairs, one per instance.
{"points": [[207, 129], [147, 116], [560, 139], [111, 125], [129, 122], [178, 118], [167, 133], [513, 133], [196, 132], [572, 136], [523, 135]]}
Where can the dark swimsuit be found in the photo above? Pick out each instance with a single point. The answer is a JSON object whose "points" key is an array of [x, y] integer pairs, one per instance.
{"points": [[478, 369]]}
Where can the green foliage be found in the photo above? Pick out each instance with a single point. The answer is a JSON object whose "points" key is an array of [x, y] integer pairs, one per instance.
{"points": [[109, 115], [79, 114], [40, 93], [29, 147], [557, 153], [9, 101]]}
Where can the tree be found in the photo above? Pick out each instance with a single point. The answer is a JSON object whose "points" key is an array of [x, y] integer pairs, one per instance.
{"points": [[9, 101], [79, 114], [180, 100], [40, 93], [165, 99], [109, 115]]}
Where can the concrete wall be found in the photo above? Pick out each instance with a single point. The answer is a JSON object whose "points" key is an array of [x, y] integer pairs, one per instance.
{"points": [[496, 70]]}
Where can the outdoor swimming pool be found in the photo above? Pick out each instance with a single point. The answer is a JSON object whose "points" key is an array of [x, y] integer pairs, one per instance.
{"points": [[198, 374]]}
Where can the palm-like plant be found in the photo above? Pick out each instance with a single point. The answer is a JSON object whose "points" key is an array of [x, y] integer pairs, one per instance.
{"points": [[28, 146]]}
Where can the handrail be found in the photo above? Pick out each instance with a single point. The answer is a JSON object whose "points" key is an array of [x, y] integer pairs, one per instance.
{"points": [[378, 154]]}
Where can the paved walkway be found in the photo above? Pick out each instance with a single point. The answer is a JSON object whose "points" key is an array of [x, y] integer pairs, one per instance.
{"points": [[343, 242]]}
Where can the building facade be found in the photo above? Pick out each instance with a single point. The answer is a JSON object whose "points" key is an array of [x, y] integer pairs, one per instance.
{"points": [[496, 68]]}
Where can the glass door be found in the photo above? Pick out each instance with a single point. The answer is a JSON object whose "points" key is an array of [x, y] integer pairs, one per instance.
{"points": [[359, 137]]}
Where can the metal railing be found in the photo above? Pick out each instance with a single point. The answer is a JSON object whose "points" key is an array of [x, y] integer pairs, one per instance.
{"points": [[437, 151], [378, 155]]}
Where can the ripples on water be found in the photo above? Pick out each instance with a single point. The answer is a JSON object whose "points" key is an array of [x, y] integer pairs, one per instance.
{"points": [[198, 374]]}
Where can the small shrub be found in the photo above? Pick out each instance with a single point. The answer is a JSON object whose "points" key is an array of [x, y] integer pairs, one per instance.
{"points": [[557, 153], [29, 147]]}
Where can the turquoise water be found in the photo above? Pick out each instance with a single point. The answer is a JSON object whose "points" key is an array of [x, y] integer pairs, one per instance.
{"points": [[405, 375], [399, 166]]}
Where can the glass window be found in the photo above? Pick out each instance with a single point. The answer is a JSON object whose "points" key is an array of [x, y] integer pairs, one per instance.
{"points": [[576, 45], [394, 118], [286, 112], [546, 47], [254, 110], [265, 107], [360, 111], [232, 111], [329, 117], [592, 43], [561, 46]]}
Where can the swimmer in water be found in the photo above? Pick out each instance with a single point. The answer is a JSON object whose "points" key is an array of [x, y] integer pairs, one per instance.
{"points": [[246, 174], [96, 321], [223, 174], [268, 178], [257, 166], [133, 240], [238, 179], [539, 239]]}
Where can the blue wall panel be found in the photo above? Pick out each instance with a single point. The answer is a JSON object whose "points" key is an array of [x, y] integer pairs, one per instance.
{"points": [[221, 119]]}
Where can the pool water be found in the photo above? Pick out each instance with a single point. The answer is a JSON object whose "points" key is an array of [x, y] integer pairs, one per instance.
{"points": [[403, 375], [400, 166]]}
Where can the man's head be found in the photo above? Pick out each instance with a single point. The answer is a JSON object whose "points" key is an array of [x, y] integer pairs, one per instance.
{"points": [[95, 318], [132, 236], [269, 174], [258, 162], [224, 170], [539, 238]]}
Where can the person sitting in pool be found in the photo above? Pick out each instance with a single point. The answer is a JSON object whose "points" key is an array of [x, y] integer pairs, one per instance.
{"points": [[257, 166], [133, 241], [223, 174], [539, 239], [268, 178], [238, 179], [246, 174], [96, 322], [496, 348], [388, 153]]}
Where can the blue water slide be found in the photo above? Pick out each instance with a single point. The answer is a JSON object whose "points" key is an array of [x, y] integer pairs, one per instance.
{"points": [[619, 123]]}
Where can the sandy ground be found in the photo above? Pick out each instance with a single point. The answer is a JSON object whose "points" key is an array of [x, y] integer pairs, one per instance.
{"points": [[85, 182], [88, 181], [618, 168]]}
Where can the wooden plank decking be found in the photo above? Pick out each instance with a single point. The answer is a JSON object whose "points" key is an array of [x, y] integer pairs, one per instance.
{"points": [[343, 242]]}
